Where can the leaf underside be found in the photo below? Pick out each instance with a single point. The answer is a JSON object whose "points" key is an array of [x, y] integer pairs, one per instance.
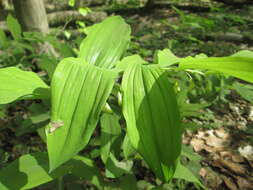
{"points": [[79, 91], [152, 116]]}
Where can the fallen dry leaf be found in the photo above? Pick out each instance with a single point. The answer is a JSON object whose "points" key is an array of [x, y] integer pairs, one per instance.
{"points": [[221, 133], [228, 155], [246, 152], [214, 141], [197, 144], [229, 183], [236, 168], [211, 178], [243, 183]]}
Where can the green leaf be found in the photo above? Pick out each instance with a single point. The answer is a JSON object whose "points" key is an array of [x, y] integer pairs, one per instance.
{"points": [[185, 174], [246, 91], [126, 182], [239, 65], [110, 130], [84, 10], [152, 117], [166, 58], [3, 39], [14, 27], [84, 168], [133, 59], [79, 92], [128, 149], [115, 168], [17, 84], [31, 170], [106, 42]]}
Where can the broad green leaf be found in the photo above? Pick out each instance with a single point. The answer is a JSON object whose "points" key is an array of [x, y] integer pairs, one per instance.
{"points": [[79, 92], [132, 59], [31, 170], [110, 130], [166, 58], [14, 27], [106, 42], [152, 117], [185, 174], [17, 84], [84, 168], [239, 65]]}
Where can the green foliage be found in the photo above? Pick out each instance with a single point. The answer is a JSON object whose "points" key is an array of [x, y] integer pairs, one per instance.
{"points": [[14, 27], [145, 128], [152, 131], [239, 65], [31, 170], [17, 84], [105, 43], [72, 122]]}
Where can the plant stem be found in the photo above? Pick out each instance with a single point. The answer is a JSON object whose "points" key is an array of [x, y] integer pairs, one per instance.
{"points": [[60, 183]]}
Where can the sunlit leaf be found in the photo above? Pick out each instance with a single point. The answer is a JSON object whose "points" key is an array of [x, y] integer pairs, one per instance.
{"points": [[239, 65], [166, 58], [17, 84], [106, 42], [79, 92], [152, 117]]}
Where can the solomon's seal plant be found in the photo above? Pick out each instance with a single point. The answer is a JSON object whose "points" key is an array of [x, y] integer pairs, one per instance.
{"points": [[80, 90]]}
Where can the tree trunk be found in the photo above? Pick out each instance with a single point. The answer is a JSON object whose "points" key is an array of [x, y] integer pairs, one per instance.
{"points": [[31, 15]]}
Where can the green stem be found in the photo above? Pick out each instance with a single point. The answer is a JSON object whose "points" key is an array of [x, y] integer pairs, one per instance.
{"points": [[60, 183]]}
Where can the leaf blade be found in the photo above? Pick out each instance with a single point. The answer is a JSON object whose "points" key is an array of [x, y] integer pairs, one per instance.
{"points": [[106, 42], [16, 84], [239, 65], [76, 105], [152, 132]]}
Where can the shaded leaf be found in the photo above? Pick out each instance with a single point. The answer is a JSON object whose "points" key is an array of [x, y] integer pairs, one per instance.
{"points": [[106, 42], [79, 92], [127, 147], [3, 39], [17, 84], [152, 117], [246, 91], [110, 130], [115, 168], [185, 174], [14, 27], [31, 170]]}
